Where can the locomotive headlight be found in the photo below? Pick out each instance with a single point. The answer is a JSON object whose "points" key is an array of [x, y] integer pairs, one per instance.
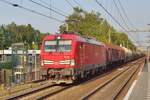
{"points": [[58, 37], [72, 62]]}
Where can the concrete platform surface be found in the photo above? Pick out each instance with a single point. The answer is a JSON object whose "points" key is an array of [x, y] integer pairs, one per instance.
{"points": [[140, 89]]}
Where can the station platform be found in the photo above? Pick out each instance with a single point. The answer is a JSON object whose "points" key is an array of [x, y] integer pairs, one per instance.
{"points": [[140, 89]]}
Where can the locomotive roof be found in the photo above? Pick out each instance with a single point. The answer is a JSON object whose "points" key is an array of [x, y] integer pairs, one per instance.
{"points": [[76, 37], [92, 41]]}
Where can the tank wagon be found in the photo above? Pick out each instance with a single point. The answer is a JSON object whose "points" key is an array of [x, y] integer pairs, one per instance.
{"points": [[67, 57]]}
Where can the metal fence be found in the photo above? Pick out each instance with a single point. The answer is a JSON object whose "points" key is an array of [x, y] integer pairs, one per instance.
{"points": [[21, 74], [23, 78]]}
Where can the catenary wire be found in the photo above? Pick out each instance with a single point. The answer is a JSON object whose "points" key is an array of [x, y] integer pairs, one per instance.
{"points": [[53, 7], [69, 3], [112, 17], [48, 8], [30, 10], [124, 12], [122, 18]]}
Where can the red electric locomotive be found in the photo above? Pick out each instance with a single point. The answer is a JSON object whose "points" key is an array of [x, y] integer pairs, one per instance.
{"points": [[68, 57]]}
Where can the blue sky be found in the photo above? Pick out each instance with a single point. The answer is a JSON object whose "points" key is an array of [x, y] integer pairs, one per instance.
{"points": [[137, 11]]}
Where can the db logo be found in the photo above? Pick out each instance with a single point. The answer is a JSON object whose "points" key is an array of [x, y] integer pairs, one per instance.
{"points": [[56, 63]]}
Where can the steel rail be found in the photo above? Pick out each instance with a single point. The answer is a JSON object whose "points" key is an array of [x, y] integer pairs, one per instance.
{"points": [[85, 97]]}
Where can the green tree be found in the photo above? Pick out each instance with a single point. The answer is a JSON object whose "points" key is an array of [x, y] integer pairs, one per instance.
{"points": [[91, 24], [24, 33], [2, 42], [5, 38]]}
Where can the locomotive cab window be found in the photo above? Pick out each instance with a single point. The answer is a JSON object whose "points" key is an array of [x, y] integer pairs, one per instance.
{"points": [[50, 46], [58, 46]]}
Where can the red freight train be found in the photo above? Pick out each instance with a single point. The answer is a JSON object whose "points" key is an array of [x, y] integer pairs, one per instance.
{"points": [[67, 57]]}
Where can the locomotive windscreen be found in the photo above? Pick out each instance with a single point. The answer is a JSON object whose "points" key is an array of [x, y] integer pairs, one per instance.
{"points": [[58, 46]]}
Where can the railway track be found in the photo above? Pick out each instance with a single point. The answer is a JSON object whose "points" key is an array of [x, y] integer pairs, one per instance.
{"points": [[38, 93], [30, 90], [113, 87], [103, 85], [84, 90]]}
